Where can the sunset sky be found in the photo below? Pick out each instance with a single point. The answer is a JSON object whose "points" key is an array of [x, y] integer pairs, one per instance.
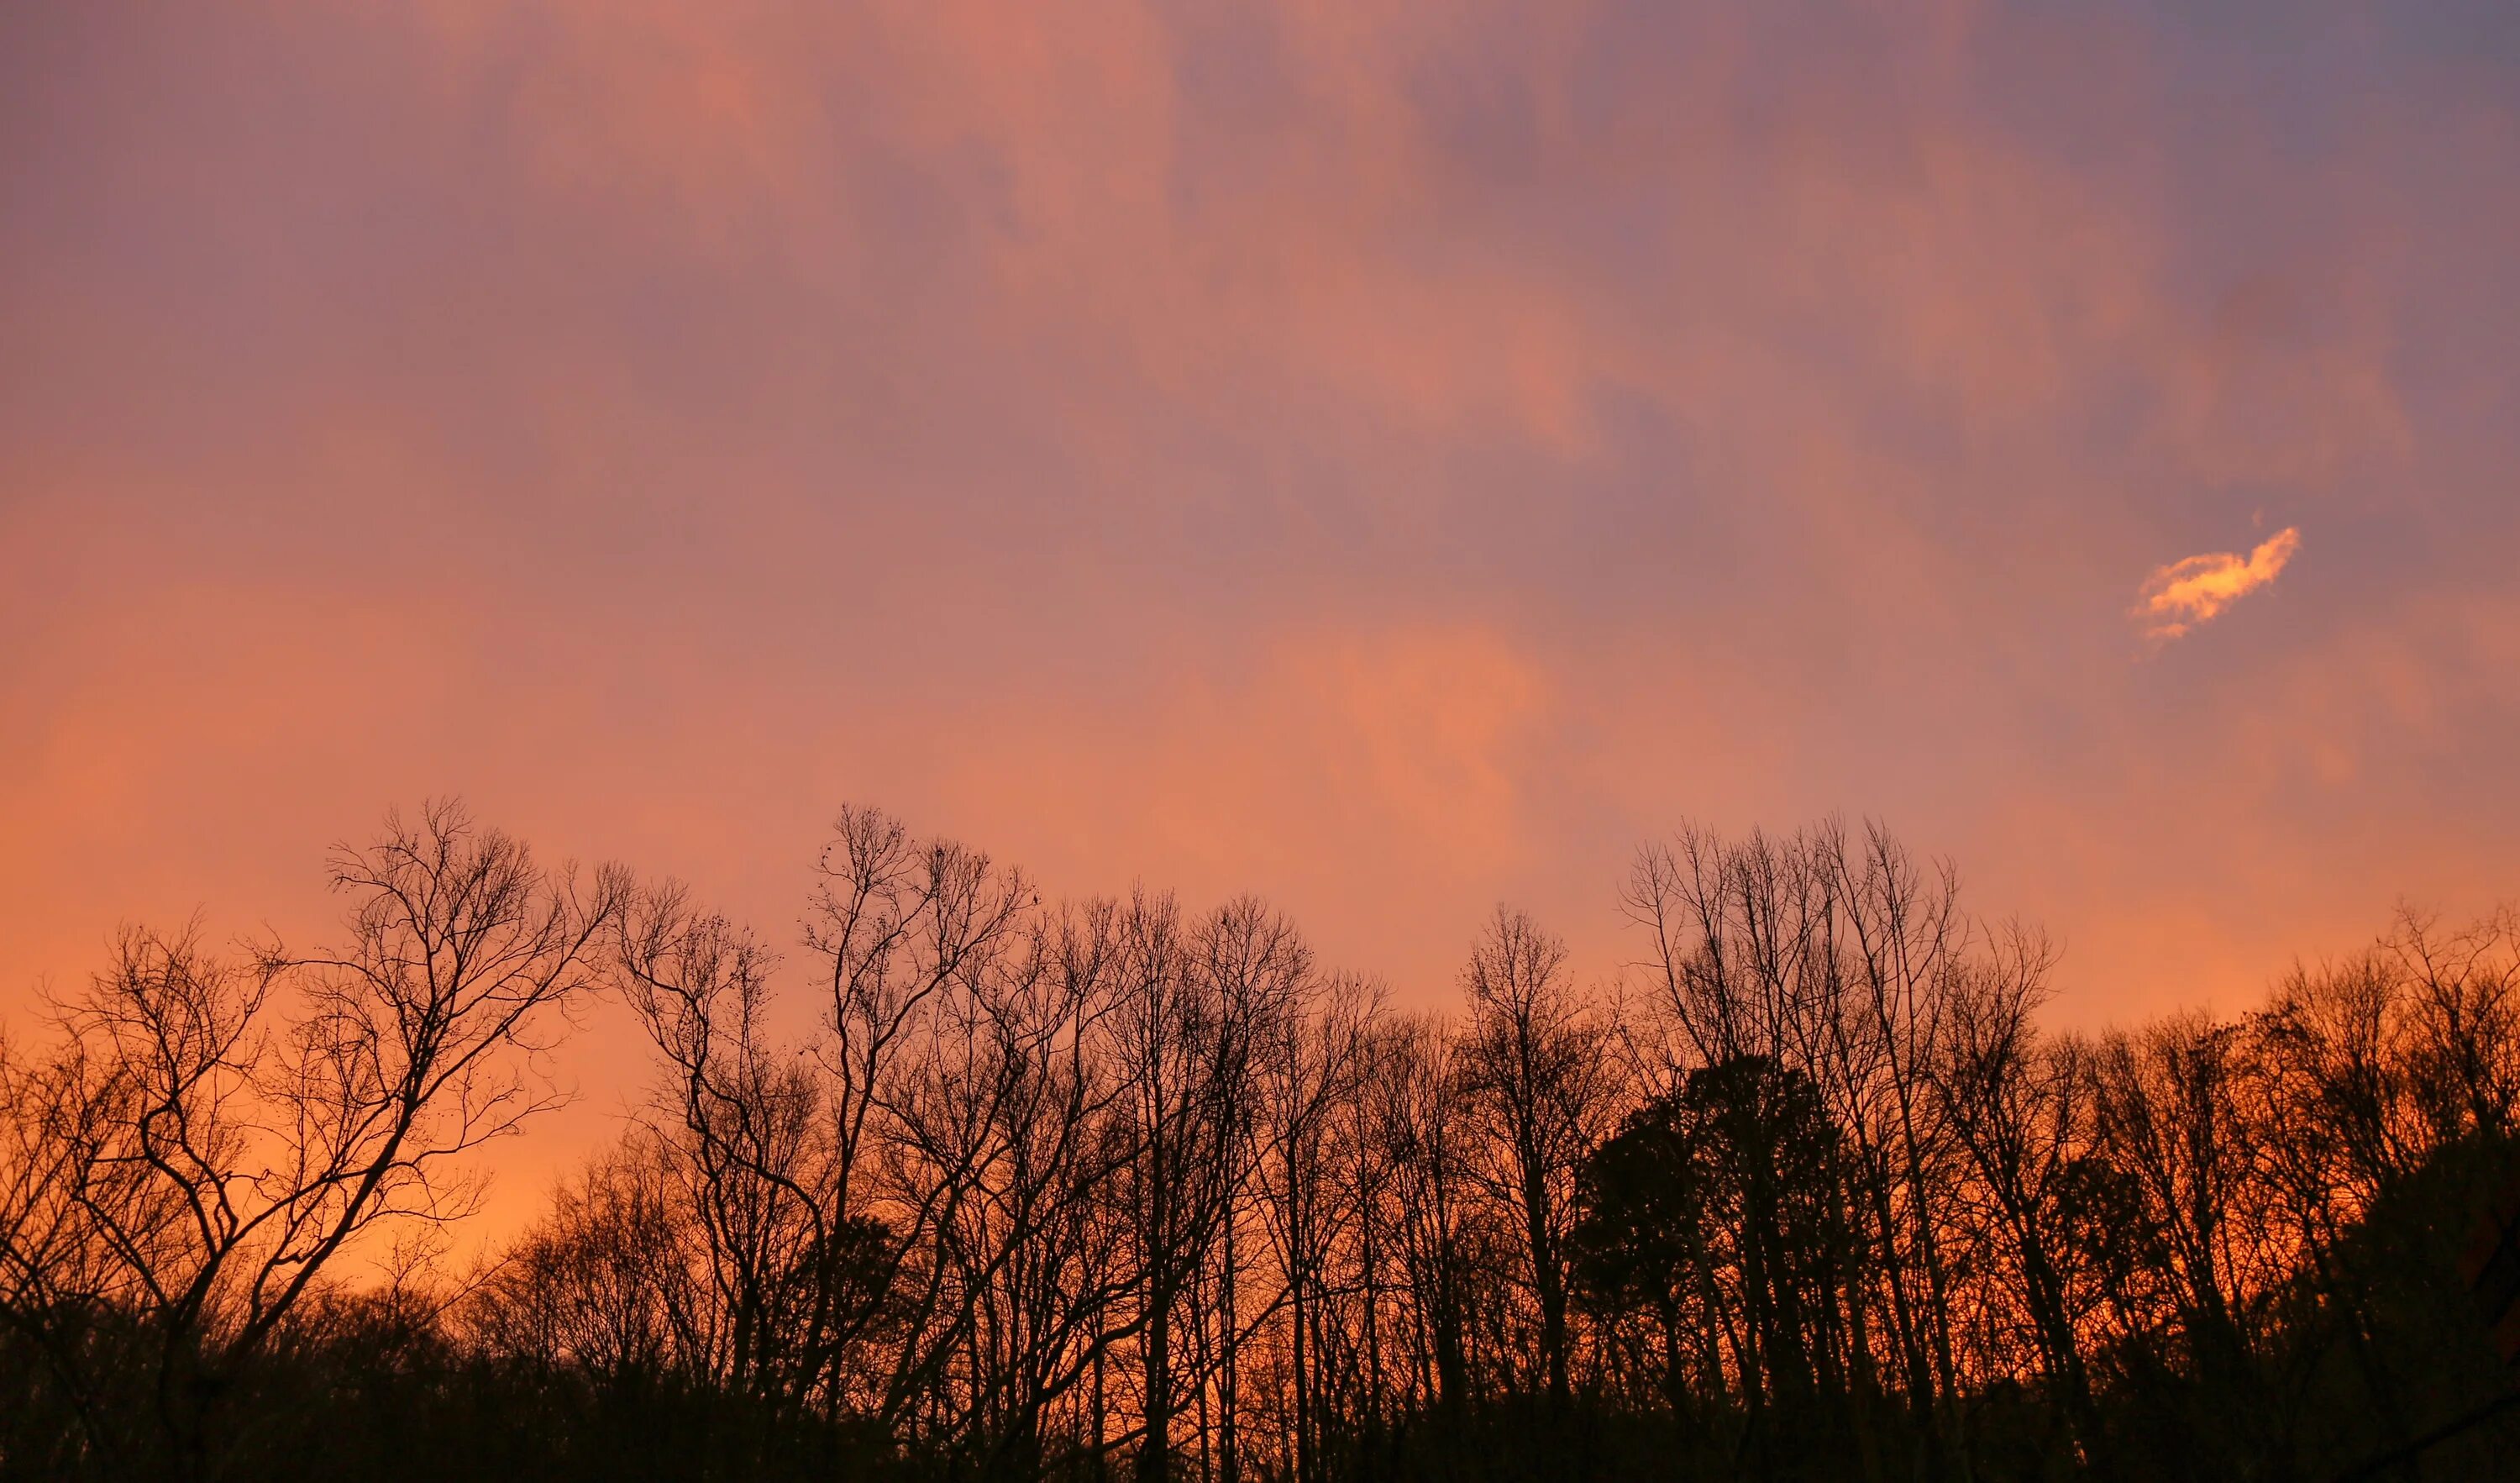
{"points": [[1389, 458]]}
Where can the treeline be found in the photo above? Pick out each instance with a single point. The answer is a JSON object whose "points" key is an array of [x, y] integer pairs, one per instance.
{"points": [[1083, 1191]]}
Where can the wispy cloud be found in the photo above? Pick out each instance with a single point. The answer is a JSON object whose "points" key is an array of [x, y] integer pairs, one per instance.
{"points": [[2185, 593]]}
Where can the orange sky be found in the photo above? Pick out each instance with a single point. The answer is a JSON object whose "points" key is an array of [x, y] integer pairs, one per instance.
{"points": [[1390, 458]]}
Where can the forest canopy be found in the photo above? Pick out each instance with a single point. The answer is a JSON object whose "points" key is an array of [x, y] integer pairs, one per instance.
{"points": [[1087, 1190]]}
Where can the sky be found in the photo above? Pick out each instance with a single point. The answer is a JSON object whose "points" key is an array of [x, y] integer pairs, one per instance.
{"points": [[1389, 458]]}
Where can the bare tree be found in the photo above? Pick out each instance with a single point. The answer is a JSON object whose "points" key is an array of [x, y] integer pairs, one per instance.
{"points": [[2462, 1022], [234, 1126], [1539, 1074], [2016, 1108], [1415, 1103], [1310, 1058], [2168, 1118], [743, 1123], [605, 1284], [1185, 1039]]}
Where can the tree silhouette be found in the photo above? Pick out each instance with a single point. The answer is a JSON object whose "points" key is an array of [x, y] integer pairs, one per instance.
{"points": [[964, 1184]]}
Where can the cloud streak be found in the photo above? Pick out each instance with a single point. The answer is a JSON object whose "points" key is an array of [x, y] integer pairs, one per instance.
{"points": [[2186, 593]]}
